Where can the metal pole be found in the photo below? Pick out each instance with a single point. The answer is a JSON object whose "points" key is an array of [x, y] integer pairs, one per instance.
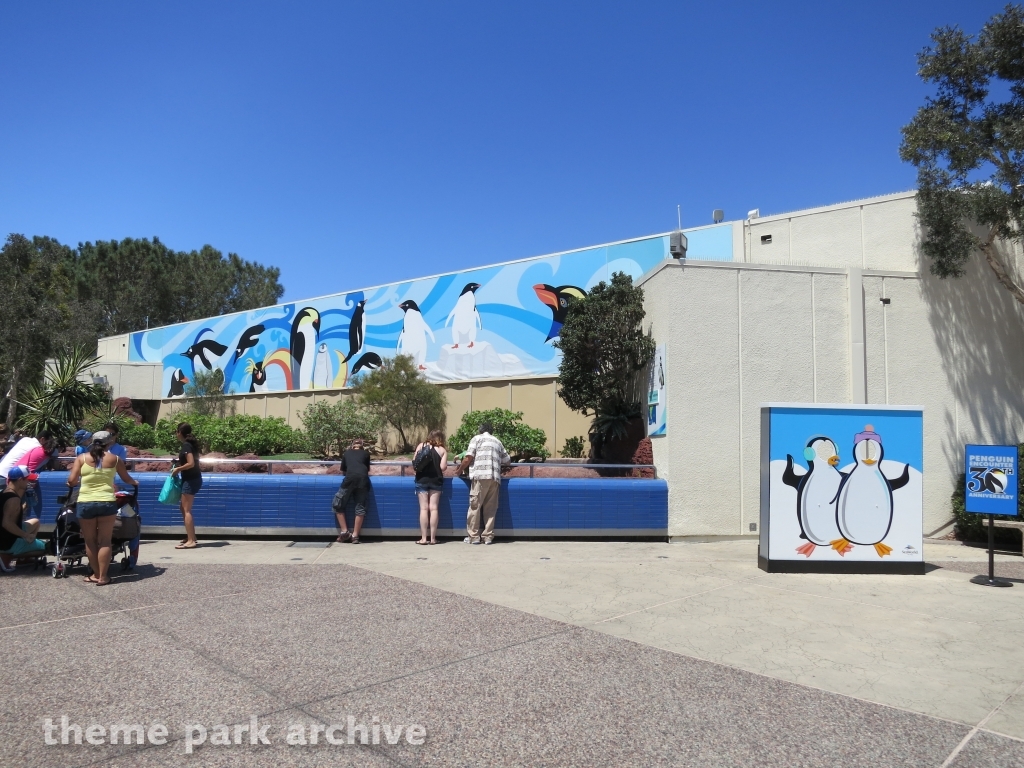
{"points": [[991, 580]]}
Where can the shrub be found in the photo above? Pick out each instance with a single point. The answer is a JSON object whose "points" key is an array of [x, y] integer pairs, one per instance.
{"points": [[130, 431], [969, 524], [330, 427], [520, 440], [234, 435], [204, 396], [574, 447], [402, 397]]}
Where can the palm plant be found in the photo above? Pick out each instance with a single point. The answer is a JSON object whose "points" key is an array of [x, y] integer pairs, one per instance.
{"points": [[60, 404]]}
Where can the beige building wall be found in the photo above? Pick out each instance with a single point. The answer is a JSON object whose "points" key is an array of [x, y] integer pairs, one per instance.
{"points": [[739, 335], [536, 398]]}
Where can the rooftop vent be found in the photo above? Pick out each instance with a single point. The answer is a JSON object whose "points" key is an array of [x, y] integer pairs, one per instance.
{"points": [[754, 214], [718, 215], [677, 244]]}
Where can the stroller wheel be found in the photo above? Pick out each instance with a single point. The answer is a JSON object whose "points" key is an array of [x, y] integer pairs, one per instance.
{"points": [[125, 564], [57, 570]]}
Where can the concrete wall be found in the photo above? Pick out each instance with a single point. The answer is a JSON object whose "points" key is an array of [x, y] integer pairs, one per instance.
{"points": [[536, 398], [743, 334]]}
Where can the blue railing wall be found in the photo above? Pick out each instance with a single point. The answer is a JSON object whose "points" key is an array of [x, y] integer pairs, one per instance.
{"points": [[527, 506]]}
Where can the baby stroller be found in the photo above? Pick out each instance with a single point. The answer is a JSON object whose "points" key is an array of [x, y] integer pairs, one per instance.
{"points": [[68, 546]]}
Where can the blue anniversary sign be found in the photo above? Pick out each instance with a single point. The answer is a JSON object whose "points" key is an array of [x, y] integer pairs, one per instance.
{"points": [[991, 479]]}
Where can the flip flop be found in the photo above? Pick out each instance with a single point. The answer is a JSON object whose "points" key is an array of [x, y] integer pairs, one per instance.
{"points": [[89, 580], [187, 546], [422, 542], [101, 583]]}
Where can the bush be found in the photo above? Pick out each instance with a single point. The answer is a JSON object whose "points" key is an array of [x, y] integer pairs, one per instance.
{"points": [[574, 447], [969, 524], [401, 396], [330, 427], [130, 431], [520, 440], [234, 435]]}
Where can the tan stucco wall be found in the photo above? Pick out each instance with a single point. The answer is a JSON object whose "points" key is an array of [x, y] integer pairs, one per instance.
{"points": [[537, 399], [738, 335]]}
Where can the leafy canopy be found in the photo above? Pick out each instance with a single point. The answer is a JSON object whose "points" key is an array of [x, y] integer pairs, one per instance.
{"points": [[521, 440], [968, 145], [604, 353], [331, 427], [63, 400], [402, 397]]}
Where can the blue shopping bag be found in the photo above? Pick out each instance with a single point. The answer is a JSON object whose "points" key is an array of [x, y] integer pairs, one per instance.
{"points": [[171, 492]]}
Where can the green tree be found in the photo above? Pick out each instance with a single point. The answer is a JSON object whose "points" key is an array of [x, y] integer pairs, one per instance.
{"points": [[331, 427], [521, 440], [605, 352], [39, 308], [402, 397], [204, 396], [968, 145], [63, 400]]}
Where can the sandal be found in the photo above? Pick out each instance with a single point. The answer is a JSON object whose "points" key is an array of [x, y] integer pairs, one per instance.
{"points": [[422, 542], [188, 546], [433, 542], [355, 540], [343, 537], [91, 579], [101, 583]]}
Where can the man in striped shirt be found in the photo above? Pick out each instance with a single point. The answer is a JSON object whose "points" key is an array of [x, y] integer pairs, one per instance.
{"points": [[485, 457]]}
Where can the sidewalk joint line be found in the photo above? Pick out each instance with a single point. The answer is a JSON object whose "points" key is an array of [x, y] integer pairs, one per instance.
{"points": [[119, 610], [667, 602], [980, 726]]}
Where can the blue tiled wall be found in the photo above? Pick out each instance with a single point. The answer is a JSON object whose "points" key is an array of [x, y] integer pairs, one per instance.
{"points": [[304, 501]]}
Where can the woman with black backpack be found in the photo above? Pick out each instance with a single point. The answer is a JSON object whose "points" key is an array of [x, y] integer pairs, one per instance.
{"points": [[430, 459]]}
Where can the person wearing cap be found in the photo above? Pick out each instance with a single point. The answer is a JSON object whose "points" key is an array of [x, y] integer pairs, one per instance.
{"points": [[31, 454], [17, 535], [83, 439], [96, 501]]}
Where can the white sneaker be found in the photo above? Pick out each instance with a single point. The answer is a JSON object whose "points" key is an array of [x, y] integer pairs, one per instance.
{"points": [[468, 540], [489, 541]]}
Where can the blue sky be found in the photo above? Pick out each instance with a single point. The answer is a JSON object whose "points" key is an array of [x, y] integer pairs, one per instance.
{"points": [[353, 144]]}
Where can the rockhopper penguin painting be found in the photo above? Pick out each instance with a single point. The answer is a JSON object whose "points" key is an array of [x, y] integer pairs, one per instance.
{"points": [[558, 301]]}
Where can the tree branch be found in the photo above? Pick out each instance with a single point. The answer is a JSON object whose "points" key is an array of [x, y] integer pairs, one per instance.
{"points": [[988, 248]]}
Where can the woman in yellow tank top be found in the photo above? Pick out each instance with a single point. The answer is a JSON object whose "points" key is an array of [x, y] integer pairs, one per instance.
{"points": [[96, 508]]}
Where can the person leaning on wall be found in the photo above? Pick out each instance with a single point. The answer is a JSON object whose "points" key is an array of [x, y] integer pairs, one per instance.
{"points": [[485, 458], [429, 484], [355, 463]]}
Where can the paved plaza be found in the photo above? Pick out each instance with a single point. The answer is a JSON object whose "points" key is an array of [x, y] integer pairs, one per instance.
{"points": [[525, 653]]}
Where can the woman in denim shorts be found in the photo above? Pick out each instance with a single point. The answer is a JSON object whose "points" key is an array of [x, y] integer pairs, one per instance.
{"points": [[429, 483], [191, 481], [96, 507]]}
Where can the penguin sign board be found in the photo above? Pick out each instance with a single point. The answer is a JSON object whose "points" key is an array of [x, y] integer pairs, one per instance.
{"points": [[841, 489], [991, 479]]}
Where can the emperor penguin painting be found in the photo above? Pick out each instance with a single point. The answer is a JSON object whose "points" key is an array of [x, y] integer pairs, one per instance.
{"points": [[413, 338], [305, 331], [356, 330], [322, 368], [558, 301], [864, 501], [816, 492], [464, 317]]}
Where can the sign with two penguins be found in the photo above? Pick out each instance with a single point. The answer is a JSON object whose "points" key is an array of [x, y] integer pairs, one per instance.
{"points": [[841, 488]]}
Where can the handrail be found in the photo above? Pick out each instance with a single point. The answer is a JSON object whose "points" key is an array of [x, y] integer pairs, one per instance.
{"points": [[385, 462]]}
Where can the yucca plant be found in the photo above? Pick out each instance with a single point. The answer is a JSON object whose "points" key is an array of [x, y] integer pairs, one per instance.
{"points": [[61, 403]]}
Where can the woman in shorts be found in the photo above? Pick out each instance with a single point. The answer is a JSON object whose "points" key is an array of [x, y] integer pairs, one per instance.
{"points": [[429, 482], [191, 481], [96, 507]]}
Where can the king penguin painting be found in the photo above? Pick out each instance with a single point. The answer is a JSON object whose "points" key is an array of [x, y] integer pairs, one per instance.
{"points": [[864, 504], [816, 491]]}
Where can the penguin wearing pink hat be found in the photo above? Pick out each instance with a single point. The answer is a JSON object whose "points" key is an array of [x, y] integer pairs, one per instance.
{"points": [[864, 500]]}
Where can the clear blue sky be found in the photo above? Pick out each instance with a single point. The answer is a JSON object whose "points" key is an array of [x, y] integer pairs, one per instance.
{"points": [[353, 144]]}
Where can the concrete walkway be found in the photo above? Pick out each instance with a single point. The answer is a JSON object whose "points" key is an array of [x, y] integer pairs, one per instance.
{"points": [[527, 653]]}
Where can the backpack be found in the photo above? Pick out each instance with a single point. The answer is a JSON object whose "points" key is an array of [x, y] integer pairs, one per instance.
{"points": [[424, 457]]}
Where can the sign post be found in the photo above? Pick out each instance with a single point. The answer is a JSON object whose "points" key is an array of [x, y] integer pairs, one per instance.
{"points": [[991, 489]]}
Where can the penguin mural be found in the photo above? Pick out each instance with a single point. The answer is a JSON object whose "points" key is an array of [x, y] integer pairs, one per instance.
{"points": [[305, 331], [356, 330], [322, 368], [413, 338], [259, 376], [464, 317], [864, 500], [206, 351], [369, 361], [816, 492], [178, 382], [249, 339], [558, 301]]}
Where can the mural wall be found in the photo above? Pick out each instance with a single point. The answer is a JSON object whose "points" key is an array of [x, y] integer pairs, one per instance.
{"points": [[492, 322]]}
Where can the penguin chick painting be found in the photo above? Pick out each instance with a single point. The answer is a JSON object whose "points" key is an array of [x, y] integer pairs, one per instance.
{"points": [[816, 492], [249, 339], [178, 382], [259, 376], [864, 501], [464, 317], [413, 338], [206, 351], [305, 332], [322, 368], [356, 330], [558, 301]]}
